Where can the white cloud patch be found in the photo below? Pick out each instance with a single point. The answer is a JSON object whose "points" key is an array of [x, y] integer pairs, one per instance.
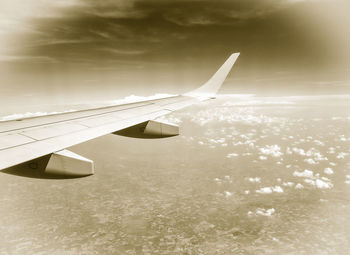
{"points": [[134, 98], [319, 143], [328, 171], [310, 161], [299, 151], [243, 115], [226, 179], [343, 138], [265, 190], [323, 184], [309, 181], [256, 102], [254, 179], [331, 150], [218, 181], [273, 150], [288, 184], [262, 157], [299, 186], [270, 190], [342, 155], [262, 212], [306, 174], [227, 194], [314, 155], [170, 119], [231, 155]]}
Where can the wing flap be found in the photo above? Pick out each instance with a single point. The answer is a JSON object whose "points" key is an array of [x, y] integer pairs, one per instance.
{"points": [[11, 140], [41, 133], [96, 121]]}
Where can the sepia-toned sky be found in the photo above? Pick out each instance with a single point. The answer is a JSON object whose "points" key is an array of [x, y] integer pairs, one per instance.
{"points": [[81, 50]]}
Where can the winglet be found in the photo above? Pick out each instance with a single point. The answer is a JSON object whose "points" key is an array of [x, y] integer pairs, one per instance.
{"points": [[211, 87]]}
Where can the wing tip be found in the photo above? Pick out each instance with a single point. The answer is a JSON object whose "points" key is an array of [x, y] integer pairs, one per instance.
{"points": [[210, 88]]}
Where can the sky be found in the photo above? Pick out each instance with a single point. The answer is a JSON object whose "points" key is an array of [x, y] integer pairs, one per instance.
{"points": [[84, 50]]}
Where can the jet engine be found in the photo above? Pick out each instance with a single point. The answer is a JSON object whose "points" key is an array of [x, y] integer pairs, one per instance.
{"points": [[149, 130]]}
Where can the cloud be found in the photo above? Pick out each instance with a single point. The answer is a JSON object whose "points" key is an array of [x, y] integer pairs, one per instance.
{"points": [[306, 173], [226, 179], [259, 103], [205, 12], [245, 115], [273, 150], [263, 212], [227, 194], [299, 186], [310, 161], [262, 158], [133, 98], [323, 184], [231, 155], [181, 34], [30, 59], [126, 100], [119, 9], [171, 119], [270, 190], [254, 180], [313, 180], [342, 155], [347, 180], [328, 171], [331, 150], [124, 51], [288, 184]]}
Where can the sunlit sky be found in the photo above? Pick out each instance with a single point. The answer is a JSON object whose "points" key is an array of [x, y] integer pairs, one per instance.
{"points": [[85, 50]]}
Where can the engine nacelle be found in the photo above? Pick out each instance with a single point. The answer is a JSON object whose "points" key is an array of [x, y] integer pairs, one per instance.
{"points": [[149, 130], [58, 165]]}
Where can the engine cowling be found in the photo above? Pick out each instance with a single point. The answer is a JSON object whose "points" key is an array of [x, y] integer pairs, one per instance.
{"points": [[150, 130], [62, 164]]}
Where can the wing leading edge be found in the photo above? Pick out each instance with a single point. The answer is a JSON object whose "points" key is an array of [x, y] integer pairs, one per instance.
{"points": [[37, 139]]}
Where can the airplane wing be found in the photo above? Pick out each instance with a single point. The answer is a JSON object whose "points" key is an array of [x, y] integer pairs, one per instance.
{"points": [[43, 140]]}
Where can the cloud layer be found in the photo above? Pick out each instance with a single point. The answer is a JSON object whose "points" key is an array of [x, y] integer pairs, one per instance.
{"points": [[171, 44]]}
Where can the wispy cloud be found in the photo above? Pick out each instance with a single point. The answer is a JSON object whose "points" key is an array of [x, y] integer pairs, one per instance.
{"points": [[124, 51], [97, 34], [32, 59]]}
